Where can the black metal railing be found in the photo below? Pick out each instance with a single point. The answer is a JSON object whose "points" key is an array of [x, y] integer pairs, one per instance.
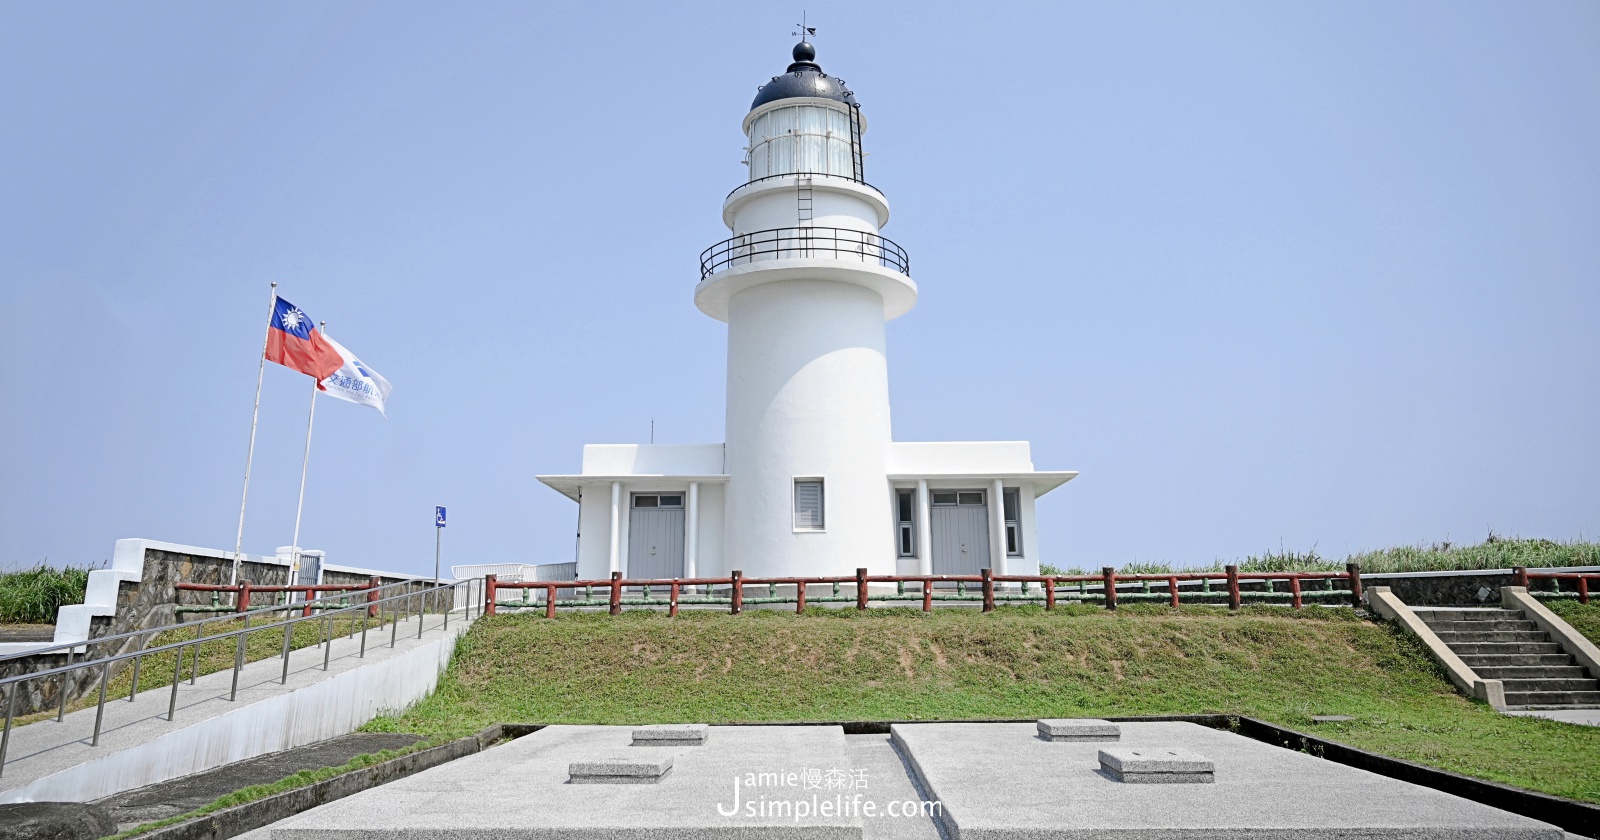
{"points": [[803, 243], [837, 175]]}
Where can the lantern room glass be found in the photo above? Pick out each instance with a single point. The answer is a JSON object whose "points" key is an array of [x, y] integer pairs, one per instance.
{"points": [[813, 139]]}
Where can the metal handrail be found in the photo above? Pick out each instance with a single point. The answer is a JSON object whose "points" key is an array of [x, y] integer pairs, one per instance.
{"points": [[849, 178], [803, 242], [326, 642], [97, 640]]}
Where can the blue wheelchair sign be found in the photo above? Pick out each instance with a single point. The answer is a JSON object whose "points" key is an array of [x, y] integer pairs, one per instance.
{"points": [[438, 516]]}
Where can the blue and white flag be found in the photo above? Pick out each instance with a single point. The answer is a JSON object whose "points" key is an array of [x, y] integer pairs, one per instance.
{"points": [[355, 382]]}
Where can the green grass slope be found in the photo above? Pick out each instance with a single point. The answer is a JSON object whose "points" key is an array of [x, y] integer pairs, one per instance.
{"points": [[1019, 662], [1584, 618]]}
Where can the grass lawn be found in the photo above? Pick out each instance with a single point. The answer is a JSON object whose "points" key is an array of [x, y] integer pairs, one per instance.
{"points": [[1017, 662], [1584, 618]]}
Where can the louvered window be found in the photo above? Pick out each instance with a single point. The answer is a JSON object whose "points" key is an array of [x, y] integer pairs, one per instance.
{"points": [[1013, 515], [808, 504], [906, 524]]}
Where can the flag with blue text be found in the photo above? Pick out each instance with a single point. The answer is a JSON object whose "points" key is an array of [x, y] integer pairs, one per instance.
{"points": [[355, 382]]}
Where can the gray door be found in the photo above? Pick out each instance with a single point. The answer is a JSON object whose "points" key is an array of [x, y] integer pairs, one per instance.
{"points": [[655, 536], [960, 524]]}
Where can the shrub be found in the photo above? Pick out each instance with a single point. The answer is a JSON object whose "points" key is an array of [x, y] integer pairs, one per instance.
{"points": [[32, 596]]}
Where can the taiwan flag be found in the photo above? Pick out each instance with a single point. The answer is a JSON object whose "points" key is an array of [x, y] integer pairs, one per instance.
{"points": [[293, 341]]}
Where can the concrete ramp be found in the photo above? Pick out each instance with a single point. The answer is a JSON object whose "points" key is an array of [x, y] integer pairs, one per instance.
{"points": [[50, 761]]}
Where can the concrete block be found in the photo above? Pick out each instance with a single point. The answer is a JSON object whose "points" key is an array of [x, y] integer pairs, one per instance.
{"points": [[619, 771], [1078, 729], [1157, 765], [684, 735]]}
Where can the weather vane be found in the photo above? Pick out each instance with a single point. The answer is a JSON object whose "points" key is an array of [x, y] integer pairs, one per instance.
{"points": [[804, 30]]}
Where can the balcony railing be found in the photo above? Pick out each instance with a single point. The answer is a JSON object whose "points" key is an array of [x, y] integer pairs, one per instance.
{"points": [[804, 243]]}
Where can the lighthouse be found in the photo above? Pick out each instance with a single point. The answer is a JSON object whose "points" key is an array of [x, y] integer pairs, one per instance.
{"points": [[810, 480], [806, 284]]}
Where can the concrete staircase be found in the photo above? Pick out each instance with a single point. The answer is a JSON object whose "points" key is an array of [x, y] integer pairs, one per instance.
{"points": [[1502, 644]]}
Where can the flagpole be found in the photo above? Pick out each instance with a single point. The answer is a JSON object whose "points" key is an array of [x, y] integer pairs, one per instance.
{"points": [[305, 461], [250, 459]]}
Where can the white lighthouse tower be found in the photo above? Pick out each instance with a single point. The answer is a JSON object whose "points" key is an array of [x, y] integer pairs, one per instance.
{"points": [[810, 481], [806, 285]]}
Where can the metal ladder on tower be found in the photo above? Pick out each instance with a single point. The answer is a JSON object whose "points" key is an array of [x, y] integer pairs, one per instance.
{"points": [[858, 158], [804, 212]]}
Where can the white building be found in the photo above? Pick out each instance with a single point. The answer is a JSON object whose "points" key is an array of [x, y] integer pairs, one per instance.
{"points": [[810, 481]]}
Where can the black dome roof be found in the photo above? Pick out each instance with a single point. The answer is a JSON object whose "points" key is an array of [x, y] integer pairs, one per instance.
{"points": [[803, 78]]}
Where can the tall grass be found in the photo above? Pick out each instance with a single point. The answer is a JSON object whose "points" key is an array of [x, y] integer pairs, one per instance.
{"points": [[1496, 552], [32, 596]]}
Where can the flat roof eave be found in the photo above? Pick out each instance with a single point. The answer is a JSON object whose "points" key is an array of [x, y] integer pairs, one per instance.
{"points": [[572, 485], [1042, 481]]}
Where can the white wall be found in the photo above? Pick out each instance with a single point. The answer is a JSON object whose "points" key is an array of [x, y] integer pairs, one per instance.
{"points": [[808, 396], [652, 459], [712, 559], [594, 528], [1028, 563], [779, 207], [960, 457]]}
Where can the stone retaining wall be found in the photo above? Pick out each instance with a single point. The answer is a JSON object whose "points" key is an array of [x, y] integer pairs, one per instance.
{"points": [[1460, 589], [150, 602]]}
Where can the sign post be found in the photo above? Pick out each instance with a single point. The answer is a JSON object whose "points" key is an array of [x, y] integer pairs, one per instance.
{"points": [[438, 529]]}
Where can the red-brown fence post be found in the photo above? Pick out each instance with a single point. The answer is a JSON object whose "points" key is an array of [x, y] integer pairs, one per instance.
{"points": [[1583, 589], [244, 597], [616, 593], [310, 594], [672, 598], [738, 593], [861, 589], [1172, 589], [1294, 591], [1233, 587], [372, 595], [1353, 571], [488, 594], [550, 601], [1049, 593], [800, 597], [1108, 576], [1519, 576], [988, 590], [927, 595]]}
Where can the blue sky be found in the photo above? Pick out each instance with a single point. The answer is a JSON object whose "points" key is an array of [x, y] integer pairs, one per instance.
{"points": [[1317, 275]]}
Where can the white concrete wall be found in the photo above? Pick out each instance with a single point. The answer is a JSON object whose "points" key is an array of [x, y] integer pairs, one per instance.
{"points": [[808, 396], [652, 459], [1028, 563], [960, 457], [713, 560], [594, 529], [779, 207]]}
